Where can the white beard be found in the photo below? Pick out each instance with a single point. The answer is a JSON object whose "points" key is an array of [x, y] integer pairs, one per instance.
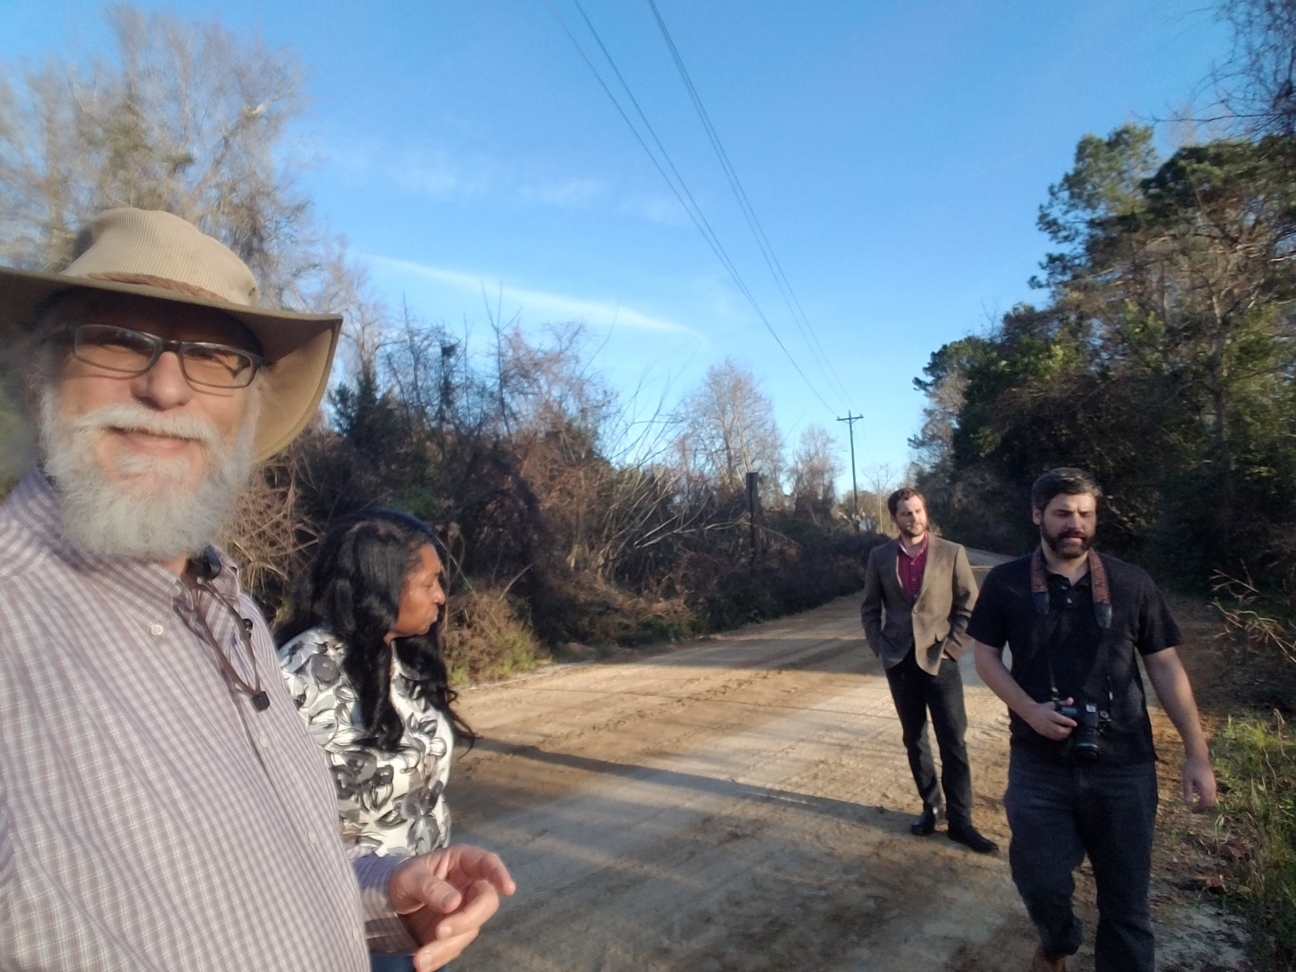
{"points": [[153, 516]]}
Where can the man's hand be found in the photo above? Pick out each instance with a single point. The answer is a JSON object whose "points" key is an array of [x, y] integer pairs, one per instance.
{"points": [[1045, 719], [445, 897], [1198, 784], [1166, 672]]}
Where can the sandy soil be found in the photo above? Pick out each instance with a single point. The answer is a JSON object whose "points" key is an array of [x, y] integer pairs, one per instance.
{"points": [[743, 803]]}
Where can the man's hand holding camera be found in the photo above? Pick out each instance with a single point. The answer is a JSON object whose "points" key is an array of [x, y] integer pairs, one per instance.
{"points": [[1045, 719]]}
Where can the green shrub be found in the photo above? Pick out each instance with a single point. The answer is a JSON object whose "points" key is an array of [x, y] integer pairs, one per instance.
{"points": [[1256, 757], [487, 638]]}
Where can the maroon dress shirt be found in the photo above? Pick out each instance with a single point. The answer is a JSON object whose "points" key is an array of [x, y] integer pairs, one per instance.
{"points": [[910, 569]]}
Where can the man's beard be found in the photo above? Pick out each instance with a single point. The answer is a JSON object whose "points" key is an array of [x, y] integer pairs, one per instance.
{"points": [[1055, 541], [161, 518]]}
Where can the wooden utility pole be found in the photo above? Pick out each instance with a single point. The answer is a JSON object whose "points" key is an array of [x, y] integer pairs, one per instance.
{"points": [[755, 514], [850, 421]]}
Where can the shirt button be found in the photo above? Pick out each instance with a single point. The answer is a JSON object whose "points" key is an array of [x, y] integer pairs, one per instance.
{"points": [[156, 629], [312, 837], [356, 936], [265, 741]]}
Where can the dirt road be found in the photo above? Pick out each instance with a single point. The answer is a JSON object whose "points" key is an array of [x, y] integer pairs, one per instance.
{"points": [[737, 803]]}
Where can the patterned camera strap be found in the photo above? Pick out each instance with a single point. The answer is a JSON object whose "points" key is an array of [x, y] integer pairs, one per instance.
{"points": [[1102, 614], [1097, 582]]}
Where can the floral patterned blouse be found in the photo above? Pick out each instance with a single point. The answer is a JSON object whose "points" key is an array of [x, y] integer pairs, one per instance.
{"points": [[390, 802]]}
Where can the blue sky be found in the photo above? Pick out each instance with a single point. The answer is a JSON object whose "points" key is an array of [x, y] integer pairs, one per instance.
{"points": [[895, 154]]}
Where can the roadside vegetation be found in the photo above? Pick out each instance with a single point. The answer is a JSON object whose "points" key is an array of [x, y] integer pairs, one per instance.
{"points": [[1255, 753], [1162, 354], [575, 517], [1256, 757]]}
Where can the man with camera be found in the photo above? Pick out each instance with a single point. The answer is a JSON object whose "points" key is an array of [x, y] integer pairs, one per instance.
{"points": [[1082, 776]]}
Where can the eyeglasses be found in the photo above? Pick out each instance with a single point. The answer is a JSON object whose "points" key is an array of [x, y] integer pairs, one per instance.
{"points": [[135, 352]]}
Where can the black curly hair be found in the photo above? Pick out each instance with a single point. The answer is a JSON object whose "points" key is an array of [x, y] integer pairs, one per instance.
{"points": [[354, 589]]}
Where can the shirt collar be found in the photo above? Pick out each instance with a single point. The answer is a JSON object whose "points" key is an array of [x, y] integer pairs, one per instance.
{"points": [[917, 553], [1058, 579]]}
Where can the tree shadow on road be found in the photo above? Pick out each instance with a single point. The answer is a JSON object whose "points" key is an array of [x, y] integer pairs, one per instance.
{"points": [[874, 816]]}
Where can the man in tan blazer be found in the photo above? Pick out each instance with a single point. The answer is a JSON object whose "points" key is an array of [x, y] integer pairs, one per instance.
{"points": [[918, 596]]}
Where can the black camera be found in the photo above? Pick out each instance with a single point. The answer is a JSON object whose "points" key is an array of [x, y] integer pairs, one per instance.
{"points": [[1082, 746]]}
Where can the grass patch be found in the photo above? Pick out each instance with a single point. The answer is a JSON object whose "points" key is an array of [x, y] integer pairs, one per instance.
{"points": [[1256, 758]]}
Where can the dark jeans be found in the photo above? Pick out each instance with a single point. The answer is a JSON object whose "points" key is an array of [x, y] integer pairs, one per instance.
{"points": [[1057, 815], [915, 693], [395, 963]]}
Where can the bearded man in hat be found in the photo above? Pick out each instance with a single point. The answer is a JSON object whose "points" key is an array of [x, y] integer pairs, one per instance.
{"points": [[162, 806]]}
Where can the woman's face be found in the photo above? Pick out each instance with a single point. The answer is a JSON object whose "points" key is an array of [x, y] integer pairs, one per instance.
{"points": [[422, 596]]}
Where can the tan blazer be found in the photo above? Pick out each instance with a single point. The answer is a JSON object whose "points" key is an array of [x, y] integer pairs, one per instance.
{"points": [[936, 623]]}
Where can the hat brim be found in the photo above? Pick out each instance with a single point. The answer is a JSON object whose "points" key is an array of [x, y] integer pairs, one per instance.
{"points": [[298, 348]]}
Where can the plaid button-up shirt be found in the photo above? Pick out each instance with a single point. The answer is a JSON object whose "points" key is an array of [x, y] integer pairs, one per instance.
{"points": [[150, 817]]}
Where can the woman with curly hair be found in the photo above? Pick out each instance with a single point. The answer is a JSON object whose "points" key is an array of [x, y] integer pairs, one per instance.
{"points": [[361, 652]]}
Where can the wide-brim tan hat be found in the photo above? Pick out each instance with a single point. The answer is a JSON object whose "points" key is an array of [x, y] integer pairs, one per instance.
{"points": [[161, 256]]}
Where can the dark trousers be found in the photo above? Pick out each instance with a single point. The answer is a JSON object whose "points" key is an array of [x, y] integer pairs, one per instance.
{"points": [[395, 963], [916, 693], [1057, 815]]}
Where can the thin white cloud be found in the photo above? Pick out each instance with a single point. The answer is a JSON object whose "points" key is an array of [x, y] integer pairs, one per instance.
{"points": [[574, 193], [662, 209], [421, 170], [538, 303], [441, 173]]}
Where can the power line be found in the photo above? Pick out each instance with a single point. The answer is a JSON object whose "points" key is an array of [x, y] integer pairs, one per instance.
{"points": [[753, 222], [681, 191]]}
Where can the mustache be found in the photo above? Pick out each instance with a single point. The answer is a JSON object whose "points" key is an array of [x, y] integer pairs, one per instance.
{"points": [[133, 417]]}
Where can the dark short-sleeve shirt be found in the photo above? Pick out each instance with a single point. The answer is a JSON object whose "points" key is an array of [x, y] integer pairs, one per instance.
{"points": [[1086, 662]]}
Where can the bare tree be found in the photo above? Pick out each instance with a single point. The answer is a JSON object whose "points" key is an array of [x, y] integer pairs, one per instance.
{"points": [[729, 430], [188, 118], [183, 117], [591, 457], [1257, 84], [814, 472], [552, 388], [880, 481]]}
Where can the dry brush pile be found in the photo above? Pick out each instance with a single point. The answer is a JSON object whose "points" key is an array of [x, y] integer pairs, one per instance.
{"points": [[568, 527]]}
